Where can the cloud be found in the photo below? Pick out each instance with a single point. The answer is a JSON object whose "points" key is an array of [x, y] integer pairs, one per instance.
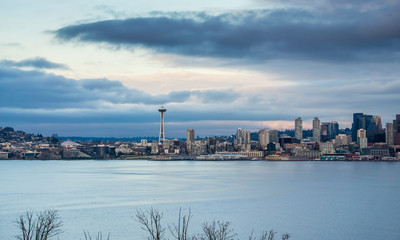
{"points": [[11, 44], [329, 5], [260, 35], [50, 96], [39, 90], [49, 103], [38, 63]]}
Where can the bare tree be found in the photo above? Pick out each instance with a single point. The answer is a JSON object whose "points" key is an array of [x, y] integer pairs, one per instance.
{"points": [[151, 223], [99, 236], [265, 235], [43, 226], [180, 231], [216, 230]]}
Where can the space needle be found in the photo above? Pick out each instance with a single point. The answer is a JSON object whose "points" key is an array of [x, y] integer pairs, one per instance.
{"points": [[162, 110]]}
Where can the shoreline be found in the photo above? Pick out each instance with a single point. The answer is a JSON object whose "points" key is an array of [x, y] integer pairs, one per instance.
{"points": [[203, 160]]}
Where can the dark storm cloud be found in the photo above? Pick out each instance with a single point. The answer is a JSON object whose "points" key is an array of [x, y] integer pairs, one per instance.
{"points": [[39, 63], [340, 35], [331, 4], [39, 90]]}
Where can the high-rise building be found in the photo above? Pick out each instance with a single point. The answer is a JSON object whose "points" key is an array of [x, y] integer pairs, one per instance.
{"points": [[298, 129], [190, 135], [329, 130], [143, 142], [273, 136], [362, 138], [154, 147], [263, 138], [246, 146], [161, 139], [397, 140], [396, 129], [239, 136], [371, 123], [390, 139], [242, 139], [334, 129], [316, 130], [342, 139]]}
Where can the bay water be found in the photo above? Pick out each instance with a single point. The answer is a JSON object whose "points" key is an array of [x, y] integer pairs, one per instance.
{"points": [[308, 200]]}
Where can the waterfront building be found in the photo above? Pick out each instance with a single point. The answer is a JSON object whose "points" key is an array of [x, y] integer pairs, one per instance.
{"points": [[4, 155], [376, 151], [299, 129], [326, 148], [309, 154], [248, 154], [316, 130]]}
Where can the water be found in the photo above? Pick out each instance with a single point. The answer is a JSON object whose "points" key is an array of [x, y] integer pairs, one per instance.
{"points": [[309, 200]]}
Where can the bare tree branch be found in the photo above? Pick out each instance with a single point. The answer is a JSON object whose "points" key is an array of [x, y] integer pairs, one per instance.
{"points": [[151, 223], [45, 225], [180, 231], [99, 236], [217, 230]]}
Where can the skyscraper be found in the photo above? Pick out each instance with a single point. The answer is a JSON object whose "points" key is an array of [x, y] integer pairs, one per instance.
{"points": [[263, 138], [396, 129], [190, 135], [242, 139], [239, 136], [329, 130], [298, 129], [273, 136], [161, 139], [390, 134], [316, 130], [246, 146], [371, 123], [362, 138], [334, 129]]}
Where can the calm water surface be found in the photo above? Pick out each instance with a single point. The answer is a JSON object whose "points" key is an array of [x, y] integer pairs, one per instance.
{"points": [[309, 200]]}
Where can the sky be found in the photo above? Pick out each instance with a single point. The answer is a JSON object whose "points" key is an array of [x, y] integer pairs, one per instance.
{"points": [[91, 68]]}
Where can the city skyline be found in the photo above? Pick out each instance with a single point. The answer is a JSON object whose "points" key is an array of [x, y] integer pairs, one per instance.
{"points": [[103, 70], [320, 130]]}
